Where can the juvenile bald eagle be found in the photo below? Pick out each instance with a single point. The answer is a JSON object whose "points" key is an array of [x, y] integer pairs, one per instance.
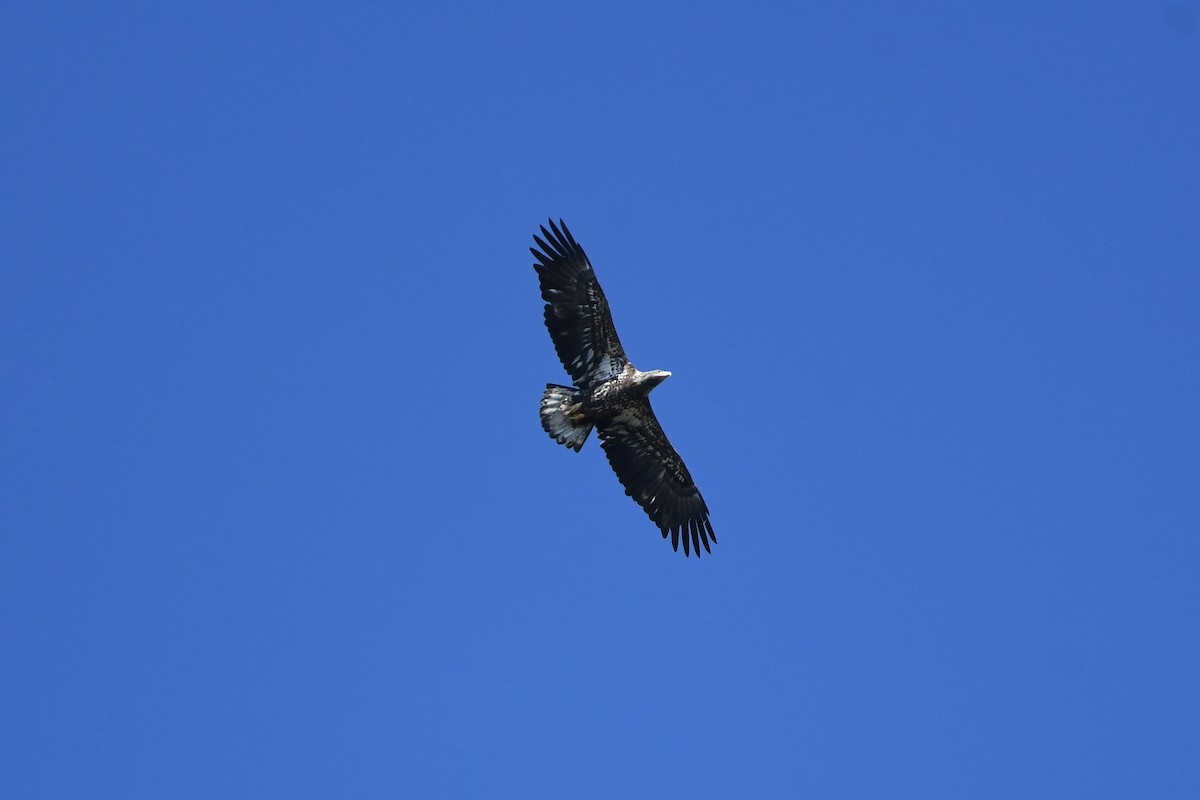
{"points": [[610, 395]]}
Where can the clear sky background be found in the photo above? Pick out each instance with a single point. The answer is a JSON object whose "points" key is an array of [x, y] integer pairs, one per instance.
{"points": [[278, 516]]}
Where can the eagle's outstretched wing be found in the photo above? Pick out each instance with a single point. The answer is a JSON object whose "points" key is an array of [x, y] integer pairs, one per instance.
{"points": [[654, 475], [576, 311]]}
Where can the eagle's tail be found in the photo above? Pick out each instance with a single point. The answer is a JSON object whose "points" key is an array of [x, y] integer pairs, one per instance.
{"points": [[555, 404]]}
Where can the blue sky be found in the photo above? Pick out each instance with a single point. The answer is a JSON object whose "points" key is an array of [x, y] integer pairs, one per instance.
{"points": [[278, 516]]}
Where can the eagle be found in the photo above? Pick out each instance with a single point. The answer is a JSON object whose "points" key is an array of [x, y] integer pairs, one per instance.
{"points": [[610, 395]]}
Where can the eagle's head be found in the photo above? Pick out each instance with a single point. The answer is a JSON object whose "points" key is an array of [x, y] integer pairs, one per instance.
{"points": [[651, 378]]}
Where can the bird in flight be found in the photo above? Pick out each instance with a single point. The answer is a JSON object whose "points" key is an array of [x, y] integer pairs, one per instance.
{"points": [[610, 395]]}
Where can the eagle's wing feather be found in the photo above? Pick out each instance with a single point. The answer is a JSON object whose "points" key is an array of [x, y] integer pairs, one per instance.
{"points": [[576, 311], [654, 475]]}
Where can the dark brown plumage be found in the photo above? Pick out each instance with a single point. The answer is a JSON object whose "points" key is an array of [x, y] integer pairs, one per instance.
{"points": [[611, 395]]}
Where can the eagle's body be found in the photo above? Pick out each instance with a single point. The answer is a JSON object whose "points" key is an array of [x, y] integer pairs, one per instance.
{"points": [[604, 400], [611, 395]]}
